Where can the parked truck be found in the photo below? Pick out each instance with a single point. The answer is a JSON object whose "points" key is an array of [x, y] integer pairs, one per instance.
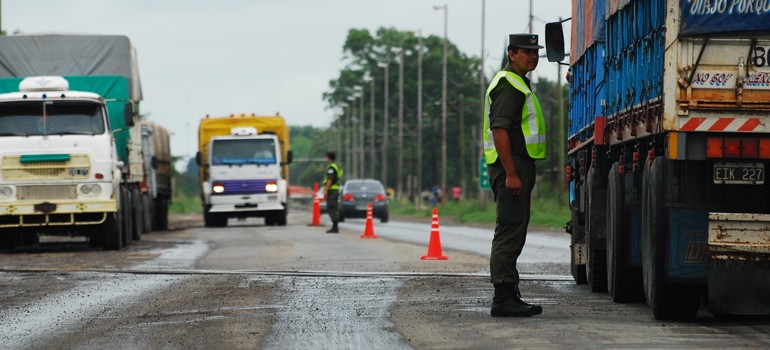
{"points": [[59, 170], [157, 187], [102, 64], [244, 170], [667, 152]]}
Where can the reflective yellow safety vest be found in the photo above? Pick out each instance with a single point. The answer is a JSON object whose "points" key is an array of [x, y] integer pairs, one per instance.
{"points": [[330, 170], [532, 121]]}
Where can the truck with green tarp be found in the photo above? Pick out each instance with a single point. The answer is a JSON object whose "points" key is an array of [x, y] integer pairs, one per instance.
{"points": [[103, 65]]}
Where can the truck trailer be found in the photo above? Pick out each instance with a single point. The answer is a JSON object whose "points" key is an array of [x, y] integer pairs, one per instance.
{"points": [[668, 147], [157, 186], [244, 169]]}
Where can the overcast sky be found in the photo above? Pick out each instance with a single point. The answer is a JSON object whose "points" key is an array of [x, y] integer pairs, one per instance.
{"points": [[263, 56]]}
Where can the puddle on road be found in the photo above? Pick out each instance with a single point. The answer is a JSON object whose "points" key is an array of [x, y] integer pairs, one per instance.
{"points": [[333, 312]]}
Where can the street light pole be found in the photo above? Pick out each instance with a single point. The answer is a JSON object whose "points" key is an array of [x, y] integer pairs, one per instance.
{"points": [[384, 175], [443, 105], [400, 168], [419, 119], [362, 143], [371, 128]]}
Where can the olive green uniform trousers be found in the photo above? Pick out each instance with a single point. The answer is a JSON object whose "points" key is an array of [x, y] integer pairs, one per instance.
{"points": [[332, 205], [512, 218]]}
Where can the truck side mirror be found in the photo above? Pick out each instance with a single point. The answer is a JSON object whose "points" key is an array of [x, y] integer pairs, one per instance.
{"points": [[198, 158], [554, 42], [128, 114], [289, 157]]}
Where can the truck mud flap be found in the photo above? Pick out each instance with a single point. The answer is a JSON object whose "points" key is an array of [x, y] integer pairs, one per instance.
{"points": [[739, 264]]}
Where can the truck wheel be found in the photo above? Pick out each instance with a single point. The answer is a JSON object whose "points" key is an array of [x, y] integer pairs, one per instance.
{"points": [[8, 239], [596, 254], [126, 216], [668, 301], [147, 210], [110, 232], [623, 280], [138, 209], [208, 217], [280, 218], [577, 236], [161, 213]]}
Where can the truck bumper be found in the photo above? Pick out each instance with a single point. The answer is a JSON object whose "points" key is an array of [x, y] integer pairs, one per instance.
{"points": [[55, 213], [739, 264], [246, 203]]}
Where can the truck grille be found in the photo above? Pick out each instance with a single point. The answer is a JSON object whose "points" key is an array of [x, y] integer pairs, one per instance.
{"points": [[244, 186], [46, 192], [76, 167]]}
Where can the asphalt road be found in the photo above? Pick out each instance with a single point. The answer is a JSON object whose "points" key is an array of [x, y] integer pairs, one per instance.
{"points": [[248, 286]]}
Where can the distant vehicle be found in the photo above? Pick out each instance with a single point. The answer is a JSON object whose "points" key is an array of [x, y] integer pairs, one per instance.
{"points": [[355, 196]]}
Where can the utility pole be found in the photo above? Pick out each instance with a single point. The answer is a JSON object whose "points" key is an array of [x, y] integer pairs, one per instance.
{"points": [[561, 134], [347, 133], [361, 146], [482, 102], [419, 119], [443, 105], [385, 128], [371, 128], [400, 169]]}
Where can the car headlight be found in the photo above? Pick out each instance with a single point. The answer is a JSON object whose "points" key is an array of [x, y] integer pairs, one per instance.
{"points": [[91, 189], [271, 187], [6, 191]]}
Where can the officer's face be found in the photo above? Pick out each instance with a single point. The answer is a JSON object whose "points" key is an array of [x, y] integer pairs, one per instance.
{"points": [[524, 60]]}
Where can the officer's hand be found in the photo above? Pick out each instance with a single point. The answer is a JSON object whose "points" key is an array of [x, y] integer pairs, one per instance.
{"points": [[513, 185]]}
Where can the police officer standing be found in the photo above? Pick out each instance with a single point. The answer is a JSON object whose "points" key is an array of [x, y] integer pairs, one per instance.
{"points": [[514, 137], [332, 189]]}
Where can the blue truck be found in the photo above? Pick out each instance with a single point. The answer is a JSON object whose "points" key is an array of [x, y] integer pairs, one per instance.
{"points": [[667, 148]]}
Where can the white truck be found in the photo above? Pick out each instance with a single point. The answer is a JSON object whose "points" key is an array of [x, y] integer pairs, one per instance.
{"points": [[243, 163], [59, 169]]}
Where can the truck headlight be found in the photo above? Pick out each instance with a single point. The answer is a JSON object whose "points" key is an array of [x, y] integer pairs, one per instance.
{"points": [[271, 187], [90, 190], [218, 188], [6, 191]]}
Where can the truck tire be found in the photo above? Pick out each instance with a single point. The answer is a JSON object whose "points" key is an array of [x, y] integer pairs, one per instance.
{"points": [[577, 236], [147, 210], [126, 215], [110, 232], [596, 254], [8, 239], [668, 301], [161, 213], [138, 210], [280, 218], [624, 282], [213, 219]]}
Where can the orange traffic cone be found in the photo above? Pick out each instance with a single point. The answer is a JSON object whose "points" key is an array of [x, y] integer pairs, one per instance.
{"points": [[316, 207], [369, 230], [434, 246]]}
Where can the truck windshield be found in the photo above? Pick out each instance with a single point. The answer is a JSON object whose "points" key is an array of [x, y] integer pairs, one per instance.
{"points": [[247, 151], [30, 118]]}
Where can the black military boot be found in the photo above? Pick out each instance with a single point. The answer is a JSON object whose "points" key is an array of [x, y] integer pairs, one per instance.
{"points": [[334, 228], [507, 303]]}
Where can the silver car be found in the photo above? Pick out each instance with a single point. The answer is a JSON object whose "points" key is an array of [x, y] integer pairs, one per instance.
{"points": [[356, 194]]}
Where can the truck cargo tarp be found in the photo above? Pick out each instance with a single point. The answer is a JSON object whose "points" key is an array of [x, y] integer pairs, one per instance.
{"points": [[702, 17], [70, 55], [587, 26]]}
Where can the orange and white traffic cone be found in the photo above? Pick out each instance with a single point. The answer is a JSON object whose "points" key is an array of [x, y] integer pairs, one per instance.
{"points": [[369, 230], [434, 246], [316, 207]]}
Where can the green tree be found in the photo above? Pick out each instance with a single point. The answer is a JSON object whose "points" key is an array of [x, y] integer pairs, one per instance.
{"points": [[364, 51]]}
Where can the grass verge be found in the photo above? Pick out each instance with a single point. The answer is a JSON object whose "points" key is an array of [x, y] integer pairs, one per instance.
{"points": [[547, 211]]}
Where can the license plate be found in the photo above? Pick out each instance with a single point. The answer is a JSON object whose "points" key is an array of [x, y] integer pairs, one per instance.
{"points": [[361, 207], [739, 173]]}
